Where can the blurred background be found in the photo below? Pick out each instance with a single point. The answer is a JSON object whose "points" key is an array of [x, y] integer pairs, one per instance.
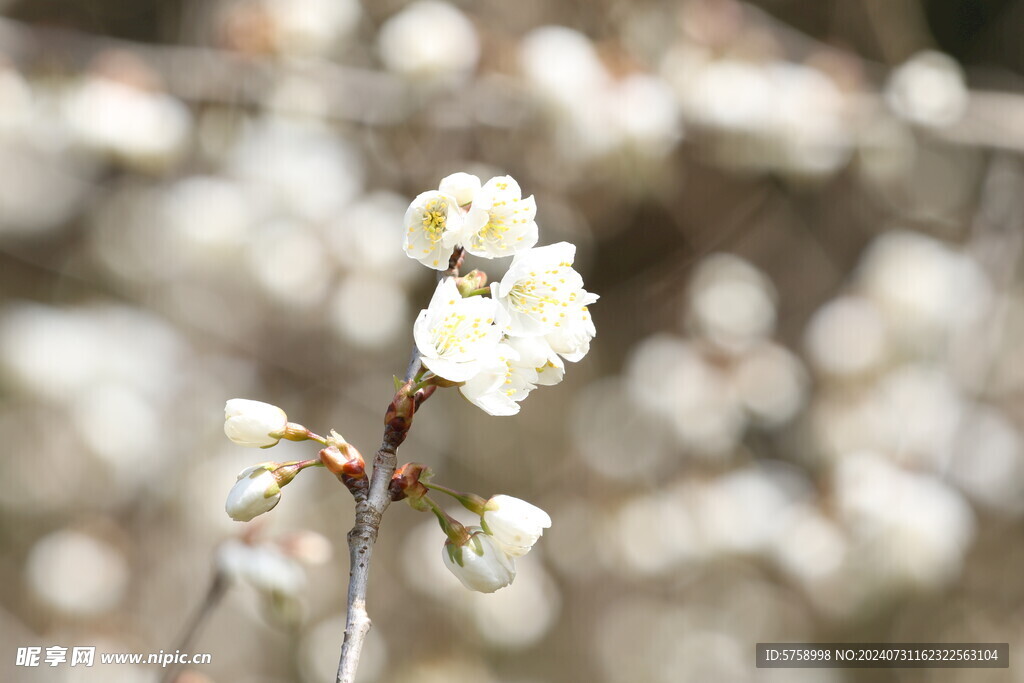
{"points": [[800, 420]]}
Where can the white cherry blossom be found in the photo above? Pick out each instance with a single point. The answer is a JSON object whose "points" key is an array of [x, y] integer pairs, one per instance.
{"points": [[536, 353], [433, 226], [462, 186], [571, 336], [540, 291], [456, 336], [515, 524], [480, 563], [500, 222], [501, 383]]}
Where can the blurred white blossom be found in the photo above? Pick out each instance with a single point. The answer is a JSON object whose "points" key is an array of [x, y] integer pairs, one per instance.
{"points": [[429, 40], [77, 573], [312, 27], [732, 304], [847, 337], [906, 528], [263, 565], [928, 89], [131, 124], [315, 174], [521, 615], [924, 288]]}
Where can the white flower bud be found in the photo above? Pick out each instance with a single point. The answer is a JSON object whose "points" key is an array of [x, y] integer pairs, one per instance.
{"points": [[254, 423], [463, 186], [515, 524], [256, 491], [480, 564]]}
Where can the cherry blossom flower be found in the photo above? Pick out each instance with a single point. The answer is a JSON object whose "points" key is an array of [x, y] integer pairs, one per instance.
{"points": [[433, 226], [515, 524], [573, 332], [501, 384], [536, 353], [456, 336], [500, 222], [462, 186], [480, 564], [540, 290]]}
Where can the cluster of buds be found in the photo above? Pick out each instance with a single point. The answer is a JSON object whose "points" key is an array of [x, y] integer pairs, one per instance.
{"points": [[257, 488], [482, 557], [498, 343]]}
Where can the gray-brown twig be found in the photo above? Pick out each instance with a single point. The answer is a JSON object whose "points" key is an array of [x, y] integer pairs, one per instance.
{"points": [[371, 504]]}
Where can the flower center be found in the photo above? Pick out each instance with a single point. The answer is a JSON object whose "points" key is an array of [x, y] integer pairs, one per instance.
{"points": [[538, 294], [434, 219], [455, 331]]}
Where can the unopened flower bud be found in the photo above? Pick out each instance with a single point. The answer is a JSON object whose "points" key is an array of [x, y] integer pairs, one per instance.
{"points": [[405, 483], [461, 186], [479, 563], [423, 394], [256, 491], [471, 281], [400, 412], [515, 524], [343, 460], [254, 423]]}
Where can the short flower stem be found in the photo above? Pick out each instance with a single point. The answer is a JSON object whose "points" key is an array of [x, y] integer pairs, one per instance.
{"points": [[470, 501], [454, 530], [480, 292], [302, 464]]}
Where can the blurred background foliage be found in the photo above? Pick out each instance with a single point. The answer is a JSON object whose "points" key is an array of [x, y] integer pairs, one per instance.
{"points": [[800, 420]]}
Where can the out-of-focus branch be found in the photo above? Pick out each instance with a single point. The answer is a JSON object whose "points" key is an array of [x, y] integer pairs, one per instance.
{"points": [[218, 587], [209, 75], [221, 76], [377, 98], [899, 27]]}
